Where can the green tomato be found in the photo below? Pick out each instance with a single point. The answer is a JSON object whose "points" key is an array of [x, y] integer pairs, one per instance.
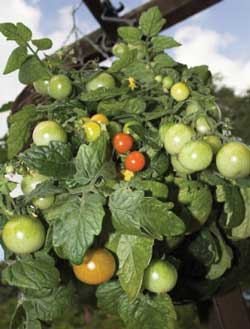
{"points": [[92, 130], [178, 167], [167, 82], [204, 125], [30, 182], [214, 141], [196, 155], [120, 49], [9, 169], [23, 234], [176, 137], [103, 80], [180, 91], [41, 87], [163, 130], [233, 160], [60, 87], [44, 203], [213, 110], [48, 131], [158, 78], [192, 107], [160, 277]]}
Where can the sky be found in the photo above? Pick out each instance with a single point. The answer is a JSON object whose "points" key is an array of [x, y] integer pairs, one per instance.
{"points": [[218, 37]]}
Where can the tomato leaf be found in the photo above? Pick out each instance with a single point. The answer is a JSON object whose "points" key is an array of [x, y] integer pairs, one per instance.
{"points": [[243, 230], [32, 70], [76, 222], [132, 213], [102, 93], [16, 59], [144, 312], [29, 272], [54, 160], [19, 32], [156, 189], [130, 34], [113, 108], [92, 159], [20, 129], [123, 62], [6, 107], [151, 22], [134, 254], [139, 71], [163, 61], [42, 44], [162, 42]]}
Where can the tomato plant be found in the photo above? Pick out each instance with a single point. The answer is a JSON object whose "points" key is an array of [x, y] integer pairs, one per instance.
{"points": [[23, 234], [92, 130], [41, 87], [160, 277], [44, 202], [135, 161], [103, 80], [48, 131], [180, 91], [122, 142], [120, 49], [176, 137], [98, 266], [59, 87], [196, 155], [167, 82], [233, 160], [30, 182]]}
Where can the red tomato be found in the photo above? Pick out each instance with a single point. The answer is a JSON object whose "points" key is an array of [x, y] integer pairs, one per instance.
{"points": [[122, 142], [135, 161]]}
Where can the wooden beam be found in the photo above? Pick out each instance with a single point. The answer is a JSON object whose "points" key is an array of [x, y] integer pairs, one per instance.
{"points": [[174, 11]]}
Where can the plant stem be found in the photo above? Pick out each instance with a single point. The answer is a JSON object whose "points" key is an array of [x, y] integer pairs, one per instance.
{"points": [[38, 58]]}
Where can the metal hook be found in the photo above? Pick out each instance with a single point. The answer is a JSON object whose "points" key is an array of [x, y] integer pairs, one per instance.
{"points": [[110, 13]]}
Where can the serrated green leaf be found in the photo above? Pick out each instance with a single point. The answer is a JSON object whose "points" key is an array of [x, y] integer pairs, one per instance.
{"points": [[123, 62], [139, 71], [32, 70], [234, 207], [29, 272], [151, 22], [134, 254], [24, 31], [19, 32], [44, 189], [164, 61], [48, 305], [157, 189], [130, 34], [6, 107], [16, 59], [212, 178], [20, 129], [113, 108], [149, 137], [162, 42], [243, 230], [91, 160], [102, 93], [132, 213], [53, 160], [76, 222], [42, 44]]}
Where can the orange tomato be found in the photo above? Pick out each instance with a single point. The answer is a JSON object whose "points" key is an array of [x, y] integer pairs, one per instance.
{"points": [[98, 267], [100, 118]]}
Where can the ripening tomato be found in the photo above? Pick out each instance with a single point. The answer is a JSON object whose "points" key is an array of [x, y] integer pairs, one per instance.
{"points": [[120, 49], [122, 142], [100, 118], [60, 87], [41, 87], [48, 131], [233, 160], [103, 80], [160, 277], [180, 91], [176, 137], [135, 161], [196, 155], [23, 234], [214, 141], [92, 130], [98, 267]]}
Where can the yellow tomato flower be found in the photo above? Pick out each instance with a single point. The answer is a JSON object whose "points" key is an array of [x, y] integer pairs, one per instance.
{"points": [[131, 83], [127, 175]]}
